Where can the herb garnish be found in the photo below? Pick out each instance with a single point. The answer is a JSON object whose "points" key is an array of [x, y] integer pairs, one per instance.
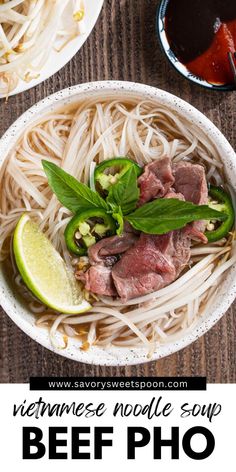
{"points": [[71, 193], [125, 193], [166, 214], [157, 217]]}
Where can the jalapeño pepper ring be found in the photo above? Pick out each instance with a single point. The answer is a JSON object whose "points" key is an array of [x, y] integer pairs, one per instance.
{"points": [[103, 180], [225, 205], [81, 223]]}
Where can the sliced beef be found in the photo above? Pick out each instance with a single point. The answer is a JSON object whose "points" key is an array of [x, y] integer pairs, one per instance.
{"points": [[156, 180], [151, 264], [109, 247], [190, 181], [181, 254], [98, 280], [135, 264], [102, 257], [128, 228], [172, 194], [196, 230]]}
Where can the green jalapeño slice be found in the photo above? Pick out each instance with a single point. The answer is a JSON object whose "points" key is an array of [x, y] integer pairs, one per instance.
{"points": [[110, 171], [225, 205], [86, 228]]}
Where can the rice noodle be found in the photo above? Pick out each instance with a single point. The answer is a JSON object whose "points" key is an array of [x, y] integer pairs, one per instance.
{"points": [[77, 137], [29, 31]]}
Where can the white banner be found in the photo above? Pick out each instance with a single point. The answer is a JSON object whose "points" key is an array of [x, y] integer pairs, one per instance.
{"points": [[106, 429]]}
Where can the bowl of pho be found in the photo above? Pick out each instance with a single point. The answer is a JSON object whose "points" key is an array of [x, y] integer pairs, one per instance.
{"points": [[117, 213]]}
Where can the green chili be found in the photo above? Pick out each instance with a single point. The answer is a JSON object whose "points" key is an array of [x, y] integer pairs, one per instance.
{"points": [[110, 171], [86, 228], [225, 205]]}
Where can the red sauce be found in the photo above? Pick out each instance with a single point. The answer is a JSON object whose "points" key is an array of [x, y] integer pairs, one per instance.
{"points": [[213, 64], [201, 33]]}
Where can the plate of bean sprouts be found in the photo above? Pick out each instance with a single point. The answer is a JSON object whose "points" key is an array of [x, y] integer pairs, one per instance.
{"points": [[38, 37]]}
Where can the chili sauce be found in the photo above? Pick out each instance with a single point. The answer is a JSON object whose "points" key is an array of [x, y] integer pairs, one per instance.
{"points": [[201, 33]]}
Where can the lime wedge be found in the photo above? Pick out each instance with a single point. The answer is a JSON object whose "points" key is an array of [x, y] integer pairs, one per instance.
{"points": [[44, 271]]}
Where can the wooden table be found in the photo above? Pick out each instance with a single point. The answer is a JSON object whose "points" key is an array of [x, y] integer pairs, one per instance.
{"points": [[123, 46]]}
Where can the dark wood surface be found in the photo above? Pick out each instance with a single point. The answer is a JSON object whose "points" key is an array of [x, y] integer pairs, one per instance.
{"points": [[123, 46]]}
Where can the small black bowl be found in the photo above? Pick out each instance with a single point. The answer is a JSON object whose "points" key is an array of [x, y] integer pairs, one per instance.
{"points": [[181, 68]]}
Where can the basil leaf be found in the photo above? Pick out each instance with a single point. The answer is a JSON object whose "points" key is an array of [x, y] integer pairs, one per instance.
{"points": [[70, 192], [167, 214], [125, 193], [118, 216]]}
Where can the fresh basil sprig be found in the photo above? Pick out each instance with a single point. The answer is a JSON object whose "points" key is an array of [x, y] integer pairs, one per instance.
{"points": [[166, 214], [70, 192], [119, 217], [125, 193], [157, 217]]}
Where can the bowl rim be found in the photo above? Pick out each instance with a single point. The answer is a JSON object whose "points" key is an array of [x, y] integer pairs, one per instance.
{"points": [[205, 84], [66, 96]]}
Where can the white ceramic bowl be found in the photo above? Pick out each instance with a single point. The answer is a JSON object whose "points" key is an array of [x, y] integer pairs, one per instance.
{"points": [[57, 60], [19, 313]]}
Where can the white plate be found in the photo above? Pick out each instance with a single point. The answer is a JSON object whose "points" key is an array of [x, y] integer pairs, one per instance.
{"points": [[57, 60], [16, 309]]}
